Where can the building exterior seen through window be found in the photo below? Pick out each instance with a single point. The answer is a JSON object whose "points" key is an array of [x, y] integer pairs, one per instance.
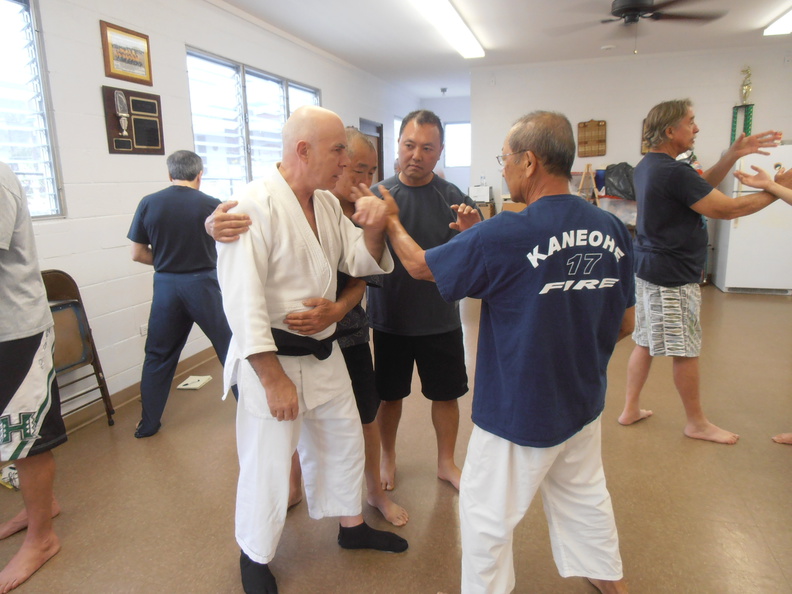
{"points": [[25, 136], [237, 116], [457, 144]]}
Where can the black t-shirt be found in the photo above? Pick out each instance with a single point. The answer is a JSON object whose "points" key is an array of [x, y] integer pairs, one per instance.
{"points": [[671, 237], [172, 222], [406, 306]]}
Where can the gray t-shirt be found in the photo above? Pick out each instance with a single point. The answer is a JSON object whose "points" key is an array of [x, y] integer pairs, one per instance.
{"points": [[405, 306], [24, 311]]}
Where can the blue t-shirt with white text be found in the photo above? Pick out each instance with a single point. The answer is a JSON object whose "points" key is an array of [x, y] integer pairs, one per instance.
{"points": [[554, 280]]}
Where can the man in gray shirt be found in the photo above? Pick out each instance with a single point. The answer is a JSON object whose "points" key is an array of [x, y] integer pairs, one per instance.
{"points": [[30, 419]]}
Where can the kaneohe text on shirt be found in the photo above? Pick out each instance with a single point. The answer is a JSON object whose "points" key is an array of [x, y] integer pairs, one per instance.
{"points": [[575, 238]]}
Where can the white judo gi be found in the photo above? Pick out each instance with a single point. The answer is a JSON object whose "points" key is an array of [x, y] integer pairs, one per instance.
{"points": [[264, 276]]}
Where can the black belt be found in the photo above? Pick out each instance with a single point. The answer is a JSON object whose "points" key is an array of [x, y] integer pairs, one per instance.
{"points": [[295, 345]]}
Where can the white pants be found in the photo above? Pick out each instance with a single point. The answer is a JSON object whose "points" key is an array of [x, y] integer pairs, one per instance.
{"points": [[329, 439], [500, 479]]}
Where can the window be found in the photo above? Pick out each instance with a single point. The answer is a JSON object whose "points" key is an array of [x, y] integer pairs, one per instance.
{"points": [[24, 130], [237, 116], [457, 145]]}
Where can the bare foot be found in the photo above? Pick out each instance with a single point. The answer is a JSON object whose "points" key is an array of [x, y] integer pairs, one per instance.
{"points": [[388, 472], [710, 432], [783, 438], [20, 521], [295, 497], [26, 562], [630, 417], [609, 587], [393, 512], [450, 473]]}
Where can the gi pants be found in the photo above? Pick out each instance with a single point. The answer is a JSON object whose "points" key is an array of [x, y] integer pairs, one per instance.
{"points": [[179, 301], [329, 439], [500, 479]]}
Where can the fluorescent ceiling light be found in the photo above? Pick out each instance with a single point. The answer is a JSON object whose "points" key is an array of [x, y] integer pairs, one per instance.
{"points": [[781, 26], [451, 26]]}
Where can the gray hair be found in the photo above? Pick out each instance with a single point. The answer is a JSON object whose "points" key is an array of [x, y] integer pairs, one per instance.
{"points": [[423, 117], [549, 136], [184, 165], [353, 134], [661, 117]]}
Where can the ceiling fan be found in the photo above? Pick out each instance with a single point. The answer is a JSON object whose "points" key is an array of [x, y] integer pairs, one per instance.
{"points": [[631, 11]]}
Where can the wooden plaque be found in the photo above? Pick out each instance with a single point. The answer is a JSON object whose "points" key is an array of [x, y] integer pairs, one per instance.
{"points": [[592, 138]]}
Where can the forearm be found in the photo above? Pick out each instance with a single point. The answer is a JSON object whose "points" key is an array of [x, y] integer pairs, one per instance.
{"points": [[268, 369], [375, 243], [280, 391], [351, 295], [628, 324], [410, 253], [749, 204], [142, 253], [715, 174], [780, 191]]}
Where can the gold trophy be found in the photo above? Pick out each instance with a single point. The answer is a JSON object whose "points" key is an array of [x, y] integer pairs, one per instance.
{"points": [[745, 90]]}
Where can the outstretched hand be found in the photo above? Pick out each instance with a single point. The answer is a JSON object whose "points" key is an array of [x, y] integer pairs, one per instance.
{"points": [[467, 216], [760, 180], [746, 145], [226, 227]]}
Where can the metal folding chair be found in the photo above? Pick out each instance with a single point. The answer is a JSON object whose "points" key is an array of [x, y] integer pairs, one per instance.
{"points": [[74, 344]]}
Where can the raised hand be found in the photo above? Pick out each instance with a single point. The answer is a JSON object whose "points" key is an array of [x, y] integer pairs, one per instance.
{"points": [[746, 145], [467, 216]]}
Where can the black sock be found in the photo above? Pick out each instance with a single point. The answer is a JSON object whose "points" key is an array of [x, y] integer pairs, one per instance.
{"points": [[364, 536], [256, 577]]}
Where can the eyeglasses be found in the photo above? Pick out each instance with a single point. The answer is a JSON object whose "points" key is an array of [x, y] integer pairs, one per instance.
{"points": [[502, 158]]}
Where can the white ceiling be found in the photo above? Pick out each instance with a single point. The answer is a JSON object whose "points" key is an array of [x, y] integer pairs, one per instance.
{"points": [[392, 40]]}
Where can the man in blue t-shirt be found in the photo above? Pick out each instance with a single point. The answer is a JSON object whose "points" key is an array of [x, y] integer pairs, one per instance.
{"points": [[556, 284], [670, 255], [167, 232]]}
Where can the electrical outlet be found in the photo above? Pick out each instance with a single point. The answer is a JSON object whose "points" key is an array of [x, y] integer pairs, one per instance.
{"points": [[143, 329]]}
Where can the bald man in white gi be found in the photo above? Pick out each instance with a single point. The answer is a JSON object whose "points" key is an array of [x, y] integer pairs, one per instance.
{"points": [[294, 391]]}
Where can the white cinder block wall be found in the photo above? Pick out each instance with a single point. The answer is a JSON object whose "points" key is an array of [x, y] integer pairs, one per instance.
{"points": [[101, 191], [622, 90]]}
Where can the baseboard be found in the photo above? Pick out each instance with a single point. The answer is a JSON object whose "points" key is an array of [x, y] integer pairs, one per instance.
{"points": [[96, 412]]}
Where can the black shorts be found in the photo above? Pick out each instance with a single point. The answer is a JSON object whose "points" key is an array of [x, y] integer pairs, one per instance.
{"points": [[440, 359], [30, 415], [361, 372]]}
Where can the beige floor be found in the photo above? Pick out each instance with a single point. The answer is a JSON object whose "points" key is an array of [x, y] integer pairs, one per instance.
{"points": [[156, 515]]}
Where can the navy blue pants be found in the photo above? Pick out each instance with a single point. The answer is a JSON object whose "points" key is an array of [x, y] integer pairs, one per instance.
{"points": [[179, 301]]}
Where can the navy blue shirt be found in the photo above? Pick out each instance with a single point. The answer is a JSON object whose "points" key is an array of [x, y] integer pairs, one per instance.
{"points": [[555, 281], [172, 222], [671, 237]]}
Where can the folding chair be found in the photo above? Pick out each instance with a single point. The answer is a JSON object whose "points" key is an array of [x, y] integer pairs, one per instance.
{"points": [[74, 344]]}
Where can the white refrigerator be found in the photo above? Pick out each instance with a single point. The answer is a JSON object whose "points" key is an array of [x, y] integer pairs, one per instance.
{"points": [[753, 254]]}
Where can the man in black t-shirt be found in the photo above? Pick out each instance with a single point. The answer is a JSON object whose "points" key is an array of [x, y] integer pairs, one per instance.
{"points": [[413, 325], [167, 232], [670, 255]]}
